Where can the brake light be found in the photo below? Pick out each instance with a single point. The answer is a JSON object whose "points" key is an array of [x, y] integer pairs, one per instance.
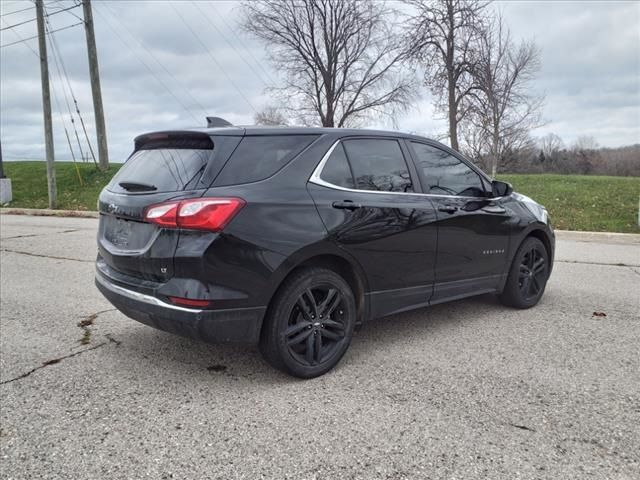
{"points": [[210, 214]]}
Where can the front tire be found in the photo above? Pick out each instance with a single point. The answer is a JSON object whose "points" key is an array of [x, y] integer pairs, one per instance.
{"points": [[310, 323], [528, 275]]}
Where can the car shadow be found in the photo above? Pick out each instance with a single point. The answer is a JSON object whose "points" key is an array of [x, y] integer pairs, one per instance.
{"points": [[183, 357]]}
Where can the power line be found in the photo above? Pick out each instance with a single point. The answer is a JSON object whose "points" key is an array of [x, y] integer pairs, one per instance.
{"points": [[213, 24], [57, 55], [244, 46], [36, 36], [145, 64], [77, 4], [17, 11], [21, 40], [56, 51], [33, 19], [66, 99], [151, 54], [17, 24], [213, 58]]}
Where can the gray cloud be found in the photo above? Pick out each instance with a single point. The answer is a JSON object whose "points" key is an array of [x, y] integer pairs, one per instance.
{"points": [[590, 71]]}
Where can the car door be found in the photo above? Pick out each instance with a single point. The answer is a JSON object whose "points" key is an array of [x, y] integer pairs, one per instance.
{"points": [[473, 229], [364, 192]]}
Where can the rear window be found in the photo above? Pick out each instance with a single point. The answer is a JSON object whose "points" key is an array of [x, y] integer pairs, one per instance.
{"points": [[259, 157], [162, 170]]}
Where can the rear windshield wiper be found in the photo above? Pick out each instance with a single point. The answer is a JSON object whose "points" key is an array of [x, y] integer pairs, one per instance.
{"points": [[137, 186]]}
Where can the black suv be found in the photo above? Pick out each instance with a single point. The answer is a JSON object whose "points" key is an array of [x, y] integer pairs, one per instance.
{"points": [[292, 237]]}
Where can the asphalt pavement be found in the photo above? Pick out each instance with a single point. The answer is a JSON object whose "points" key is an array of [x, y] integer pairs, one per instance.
{"points": [[465, 390]]}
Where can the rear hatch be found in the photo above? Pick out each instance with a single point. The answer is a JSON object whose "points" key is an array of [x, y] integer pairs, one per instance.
{"points": [[163, 167]]}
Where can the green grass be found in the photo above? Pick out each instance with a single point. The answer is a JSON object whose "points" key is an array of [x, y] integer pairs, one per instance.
{"points": [[29, 184], [582, 202], [575, 202]]}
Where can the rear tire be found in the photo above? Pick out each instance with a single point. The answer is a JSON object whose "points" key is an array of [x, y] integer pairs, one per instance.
{"points": [[309, 324], [528, 275]]}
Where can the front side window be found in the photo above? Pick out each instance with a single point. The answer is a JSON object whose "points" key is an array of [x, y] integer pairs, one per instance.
{"points": [[378, 165], [444, 174]]}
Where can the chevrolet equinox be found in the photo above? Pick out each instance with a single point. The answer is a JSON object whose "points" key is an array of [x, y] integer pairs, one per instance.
{"points": [[290, 238]]}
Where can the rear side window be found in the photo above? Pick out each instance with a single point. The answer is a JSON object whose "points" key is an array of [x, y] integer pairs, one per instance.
{"points": [[378, 164], [259, 157], [337, 171], [161, 170]]}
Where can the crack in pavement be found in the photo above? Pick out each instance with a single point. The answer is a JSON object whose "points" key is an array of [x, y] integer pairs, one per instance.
{"points": [[619, 264], [28, 235], [53, 361], [54, 257]]}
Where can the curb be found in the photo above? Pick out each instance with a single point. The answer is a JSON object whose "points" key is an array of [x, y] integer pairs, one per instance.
{"points": [[43, 212], [607, 237]]}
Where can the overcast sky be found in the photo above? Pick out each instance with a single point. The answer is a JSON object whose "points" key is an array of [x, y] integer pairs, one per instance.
{"points": [[156, 74]]}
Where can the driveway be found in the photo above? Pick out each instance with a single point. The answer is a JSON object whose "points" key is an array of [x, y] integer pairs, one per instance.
{"points": [[465, 390]]}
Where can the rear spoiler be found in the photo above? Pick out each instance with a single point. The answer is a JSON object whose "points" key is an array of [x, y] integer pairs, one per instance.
{"points": [[176, 140]]}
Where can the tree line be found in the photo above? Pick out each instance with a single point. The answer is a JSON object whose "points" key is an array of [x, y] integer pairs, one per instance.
{"points": [[346, 62]]}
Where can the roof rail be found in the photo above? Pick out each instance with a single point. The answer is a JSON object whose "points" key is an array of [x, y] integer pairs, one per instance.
{"points": [[217, 122]]}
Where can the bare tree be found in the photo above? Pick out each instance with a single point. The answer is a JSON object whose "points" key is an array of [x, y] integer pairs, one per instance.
{"points": [[550, 145], [586, 152], [442, 35], [271, 116], [503, 110], [341, 60]]}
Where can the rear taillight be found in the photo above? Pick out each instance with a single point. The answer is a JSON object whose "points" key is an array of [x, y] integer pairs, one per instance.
{"points": [[197, 213]]}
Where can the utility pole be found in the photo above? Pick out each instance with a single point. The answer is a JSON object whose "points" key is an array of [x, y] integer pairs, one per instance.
{"points": [[46, 105], [103, 155]]}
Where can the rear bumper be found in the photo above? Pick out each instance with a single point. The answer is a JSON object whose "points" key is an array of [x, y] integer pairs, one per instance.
{"points": [[238, 325]]}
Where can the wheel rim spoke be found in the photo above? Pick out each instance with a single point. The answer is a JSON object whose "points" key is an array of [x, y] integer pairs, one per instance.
{"points": [[324, 305], [295, 328], [299, 338], [310, 350], [317, 347], [539, 266], [330, 334]]}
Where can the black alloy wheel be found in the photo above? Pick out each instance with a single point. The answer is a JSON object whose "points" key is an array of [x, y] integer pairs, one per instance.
{"points": [[309, 325], [533, 273], [316, 325], [528, 275]]}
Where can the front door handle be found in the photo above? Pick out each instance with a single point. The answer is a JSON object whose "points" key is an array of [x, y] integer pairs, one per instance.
{"points": [[346, 205], [447, 208], [494, 209]]}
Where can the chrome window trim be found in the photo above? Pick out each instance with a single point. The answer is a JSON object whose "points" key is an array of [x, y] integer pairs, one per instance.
{"points": [[316, 179], [141, 297]]}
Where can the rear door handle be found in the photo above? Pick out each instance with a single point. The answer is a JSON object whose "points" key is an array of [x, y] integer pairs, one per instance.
{"points": [[447, 208], [346, 205]]}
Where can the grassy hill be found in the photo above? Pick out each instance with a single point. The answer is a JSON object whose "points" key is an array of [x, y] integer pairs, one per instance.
{"points": [[29, 184], [584, 202], [575, 202]]}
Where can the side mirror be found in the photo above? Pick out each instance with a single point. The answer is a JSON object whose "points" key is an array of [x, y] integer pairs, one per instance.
{"points": [[501, 189]]}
